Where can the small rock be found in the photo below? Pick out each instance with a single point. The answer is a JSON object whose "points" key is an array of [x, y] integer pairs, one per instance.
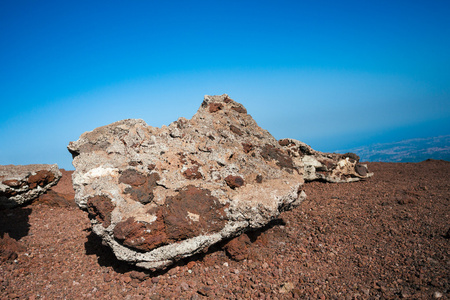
{"points": [[234, 181], [107, 277], [155, 279], [286, 287], [141, 276], [204, 291], [184, 286], [237, 248]]}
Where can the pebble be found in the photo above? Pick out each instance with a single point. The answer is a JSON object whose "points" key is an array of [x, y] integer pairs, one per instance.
{"points": [[191, 264], [155, 279], [107, 277], [126, 279], [184, 286]]}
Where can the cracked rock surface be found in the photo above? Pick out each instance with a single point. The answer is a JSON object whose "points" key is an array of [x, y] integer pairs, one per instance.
{"points": [[157, 195], [19, 184]]}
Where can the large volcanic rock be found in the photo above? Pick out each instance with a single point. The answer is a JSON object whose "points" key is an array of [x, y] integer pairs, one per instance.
{"points": [[330, 167], [21, 184], [156, 195]]}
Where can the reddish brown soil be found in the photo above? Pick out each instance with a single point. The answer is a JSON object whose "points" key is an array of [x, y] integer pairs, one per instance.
{"points": [[384, 238]]}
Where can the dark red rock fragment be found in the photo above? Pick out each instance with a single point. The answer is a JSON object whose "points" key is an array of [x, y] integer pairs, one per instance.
{"points": [[54, 199], [269, 152], [100, 208], [41, 178], [182, 158], [237, 248], [192, 173], [239, 109], [12, 183], [132, 177], [141, 186], [141, 235], [192, 212], [236, 130], [247, 147], [234, 181], [285, 142], [214, 107]]}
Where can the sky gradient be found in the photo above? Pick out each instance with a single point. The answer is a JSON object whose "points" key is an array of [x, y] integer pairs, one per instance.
{"points": [[333, 74]]}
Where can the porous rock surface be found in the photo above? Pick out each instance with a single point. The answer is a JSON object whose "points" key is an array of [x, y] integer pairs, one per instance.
{"points": [[330, 167], [20, 184], [156, 195]]}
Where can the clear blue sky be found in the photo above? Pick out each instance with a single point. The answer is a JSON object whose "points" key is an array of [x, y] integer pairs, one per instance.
{"points": [[334, 74]]}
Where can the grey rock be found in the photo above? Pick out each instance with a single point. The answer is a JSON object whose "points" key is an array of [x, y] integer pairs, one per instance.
{"points": [[156, 195], [20, 184], [330, 167]]}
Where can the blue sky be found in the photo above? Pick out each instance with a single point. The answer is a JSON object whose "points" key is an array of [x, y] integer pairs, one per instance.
{"points": [[334, 74]]}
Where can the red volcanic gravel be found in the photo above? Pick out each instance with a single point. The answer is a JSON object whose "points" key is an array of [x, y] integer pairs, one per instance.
{"points": [[384, 238]]}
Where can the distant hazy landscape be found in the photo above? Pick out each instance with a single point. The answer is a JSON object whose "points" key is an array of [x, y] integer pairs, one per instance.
{"points": [[412, 150]]}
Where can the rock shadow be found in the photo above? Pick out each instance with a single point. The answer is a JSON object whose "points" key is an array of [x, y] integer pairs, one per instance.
{"points": [[106, 257], [15, 222]]}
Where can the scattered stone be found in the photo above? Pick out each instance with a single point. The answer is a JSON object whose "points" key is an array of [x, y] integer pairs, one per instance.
{"points": [[286, 287], [237, 248], [205, 291], [191, 264], [234, 181], [184, 286], [331, 167], [141, 276], [157, 195], [22, 183]]}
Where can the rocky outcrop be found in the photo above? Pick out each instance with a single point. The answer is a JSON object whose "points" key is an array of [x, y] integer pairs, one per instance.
{"points": [[21, 184], [330, 167], [156, 195]]}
